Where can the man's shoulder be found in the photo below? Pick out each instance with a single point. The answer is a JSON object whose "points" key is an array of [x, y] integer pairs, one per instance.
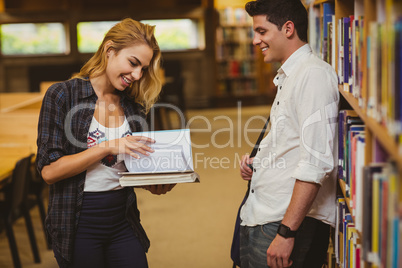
{"points": [[311, 64]]}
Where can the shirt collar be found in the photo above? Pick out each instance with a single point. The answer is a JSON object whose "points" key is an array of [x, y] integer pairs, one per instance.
{"points": [[289, 65], [87, 89]]}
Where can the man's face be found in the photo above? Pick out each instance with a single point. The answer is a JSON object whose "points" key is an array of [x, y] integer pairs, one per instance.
{"points": [[271, 41]]}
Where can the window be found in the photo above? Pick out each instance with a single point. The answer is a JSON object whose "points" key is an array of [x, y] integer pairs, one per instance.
{"points": [[33, 39], [172, 34], [177, 34], [90, 34]]}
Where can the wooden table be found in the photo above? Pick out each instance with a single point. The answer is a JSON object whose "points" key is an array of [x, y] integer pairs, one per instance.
{"points": [[19, 114]]}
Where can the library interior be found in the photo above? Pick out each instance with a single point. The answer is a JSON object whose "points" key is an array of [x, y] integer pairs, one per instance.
{"points": [[215, 83]]}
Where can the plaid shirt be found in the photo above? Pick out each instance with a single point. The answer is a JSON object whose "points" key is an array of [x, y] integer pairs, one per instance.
{"points": [[64, 121]]}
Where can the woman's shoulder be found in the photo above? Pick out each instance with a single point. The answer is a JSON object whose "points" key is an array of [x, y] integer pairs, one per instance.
{"points": [[61, 90]]}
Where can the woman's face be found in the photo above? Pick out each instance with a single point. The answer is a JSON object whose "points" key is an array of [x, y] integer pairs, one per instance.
{"points": [[128, 65]]}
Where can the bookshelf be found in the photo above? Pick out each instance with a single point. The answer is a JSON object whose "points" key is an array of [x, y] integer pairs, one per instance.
{"points": [[241, 73], [364, 43]]}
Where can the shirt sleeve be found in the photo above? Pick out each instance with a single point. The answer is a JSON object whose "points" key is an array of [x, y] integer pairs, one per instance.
{"points": [[51, 139], [317, 112]]}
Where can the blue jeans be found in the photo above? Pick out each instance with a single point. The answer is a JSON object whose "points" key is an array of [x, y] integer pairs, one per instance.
{"points": [[310, 249], [104, 237]]}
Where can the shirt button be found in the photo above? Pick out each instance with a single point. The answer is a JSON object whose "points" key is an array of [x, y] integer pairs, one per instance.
{"points": [[255, 170], [252, 191], [277, 103], [280, 87], [259, 149]]}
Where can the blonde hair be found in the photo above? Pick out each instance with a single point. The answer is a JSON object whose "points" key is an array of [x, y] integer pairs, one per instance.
{"points": [[126, 33]]}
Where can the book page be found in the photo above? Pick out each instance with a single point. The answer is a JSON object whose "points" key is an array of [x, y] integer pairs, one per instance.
{"points": [[172, 153]]}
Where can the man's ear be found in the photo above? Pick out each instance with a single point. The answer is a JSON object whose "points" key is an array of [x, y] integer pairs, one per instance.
{"points": [[289, 28]]}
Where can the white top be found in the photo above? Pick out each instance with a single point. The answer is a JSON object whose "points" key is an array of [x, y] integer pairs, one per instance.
{"points": [[301, 143], [103, 176]]}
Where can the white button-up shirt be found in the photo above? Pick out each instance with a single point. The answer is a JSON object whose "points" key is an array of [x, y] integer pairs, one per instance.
{"points": [[301, 143]]}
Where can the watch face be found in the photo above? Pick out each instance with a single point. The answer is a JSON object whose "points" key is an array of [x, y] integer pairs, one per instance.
{"points": [[282, 230], [285, 231]]}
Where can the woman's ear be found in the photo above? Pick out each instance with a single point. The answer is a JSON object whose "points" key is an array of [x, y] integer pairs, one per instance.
{"points": [[108, 47]]}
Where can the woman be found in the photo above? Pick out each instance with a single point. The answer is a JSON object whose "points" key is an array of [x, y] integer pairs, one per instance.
{"points": [[84, 129]]}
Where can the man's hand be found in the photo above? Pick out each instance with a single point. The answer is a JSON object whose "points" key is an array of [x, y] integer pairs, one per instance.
{"points": [[245, 171], [278, 253]]}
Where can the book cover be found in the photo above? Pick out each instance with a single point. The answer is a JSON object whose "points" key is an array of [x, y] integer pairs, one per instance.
{"points": [[355, 166], [333, 45], [358, 201], [384, 219], [328, 11], [372, 66], [351, 53], [353, 131], [347, 219], [398, 76], [340, 51], [367, 237], [375, 230], [346, 51], [171, 162], [338, 228]]}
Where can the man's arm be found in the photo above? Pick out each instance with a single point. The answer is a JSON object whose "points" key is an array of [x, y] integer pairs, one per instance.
{"points": [[303, 196]]}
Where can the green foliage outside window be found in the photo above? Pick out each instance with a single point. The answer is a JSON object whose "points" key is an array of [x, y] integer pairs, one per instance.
{"points": [[50, 38], [32, 38], [90, 35], [177, 34]]}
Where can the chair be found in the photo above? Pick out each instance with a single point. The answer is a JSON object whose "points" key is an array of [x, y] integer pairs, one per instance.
{"points": [[171, 101], [35, 193], [15, 203]]}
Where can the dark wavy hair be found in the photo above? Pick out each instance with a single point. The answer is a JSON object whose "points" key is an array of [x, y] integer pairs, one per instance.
{"points": [[280, 11]]}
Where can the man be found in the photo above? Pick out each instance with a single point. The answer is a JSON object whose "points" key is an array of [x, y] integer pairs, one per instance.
{"points": [[291, 204]]}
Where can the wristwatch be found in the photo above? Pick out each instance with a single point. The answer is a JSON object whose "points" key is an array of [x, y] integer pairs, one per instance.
{"points": [[285, 231]]}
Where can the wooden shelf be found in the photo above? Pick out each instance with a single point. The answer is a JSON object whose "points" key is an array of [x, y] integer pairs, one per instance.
{"points": [[380, 132], [317, 2]]}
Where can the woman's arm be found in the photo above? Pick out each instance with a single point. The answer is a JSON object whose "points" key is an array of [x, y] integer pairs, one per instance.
{"points": [[71, 165]]}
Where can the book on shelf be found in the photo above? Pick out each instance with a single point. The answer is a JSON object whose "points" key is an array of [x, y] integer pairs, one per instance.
{"points": [[353, 132], [346, 52], [170, 163], [349, 124], [347, 223], [381, 218], [396, 89], [340, 51], [328, 10], [340, 211], [357, 195], [314, 33]]}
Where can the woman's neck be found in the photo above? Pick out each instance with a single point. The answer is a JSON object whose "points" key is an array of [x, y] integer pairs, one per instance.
{"points": [[104, 90]]}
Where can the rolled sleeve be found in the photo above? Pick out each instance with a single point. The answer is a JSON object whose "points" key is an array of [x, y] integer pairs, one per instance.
{"points": [[317, 122], [310, 173], [51, 137]]}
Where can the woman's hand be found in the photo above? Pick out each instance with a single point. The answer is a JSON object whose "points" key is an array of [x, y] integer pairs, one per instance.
{"points": [[159, 189], [131, 145], [245, 171]]}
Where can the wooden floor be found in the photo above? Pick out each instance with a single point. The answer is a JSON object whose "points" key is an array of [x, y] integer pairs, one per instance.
{"points": [[191, 226]]}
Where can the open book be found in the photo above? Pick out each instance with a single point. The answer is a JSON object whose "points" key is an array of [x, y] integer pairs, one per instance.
{"points": [[171, 162]]}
